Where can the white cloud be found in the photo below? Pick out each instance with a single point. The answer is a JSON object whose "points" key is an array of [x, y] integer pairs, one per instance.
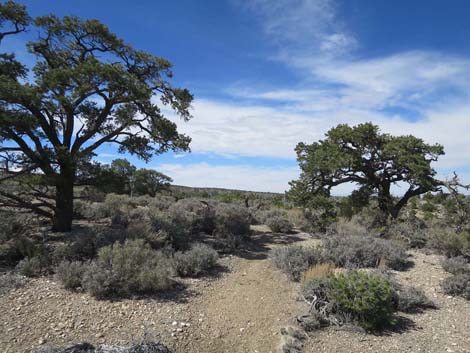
{"points": [[302, 25], [231, 129], [240, 177]]}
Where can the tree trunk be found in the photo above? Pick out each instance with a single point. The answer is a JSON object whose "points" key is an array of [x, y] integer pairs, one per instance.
{"points": [[63, 216]]}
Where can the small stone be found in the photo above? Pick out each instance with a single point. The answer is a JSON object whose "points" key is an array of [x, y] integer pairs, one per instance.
{"points": [[242, 329], [42, 341], [174, 323]]}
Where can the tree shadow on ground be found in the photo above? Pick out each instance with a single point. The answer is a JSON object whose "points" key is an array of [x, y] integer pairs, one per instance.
{"points": [[259, 245], [401, 325]]}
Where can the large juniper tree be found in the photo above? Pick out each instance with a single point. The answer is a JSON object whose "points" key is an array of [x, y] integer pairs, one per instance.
{"points": [[374, 161], [87, 88]]}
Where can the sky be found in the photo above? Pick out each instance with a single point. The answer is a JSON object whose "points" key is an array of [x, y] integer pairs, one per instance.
{"points": [[267, 74]]}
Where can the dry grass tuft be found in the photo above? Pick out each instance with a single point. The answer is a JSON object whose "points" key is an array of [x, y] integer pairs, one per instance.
{"points": [[319, 270]]}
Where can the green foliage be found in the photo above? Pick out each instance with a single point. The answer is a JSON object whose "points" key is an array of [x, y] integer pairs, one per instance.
{"points": [[369, 158], [195, 261], [295, 260], [363, 251], [320, 213], [125, 269], [149, 182], [366, 298], [78, 62]]}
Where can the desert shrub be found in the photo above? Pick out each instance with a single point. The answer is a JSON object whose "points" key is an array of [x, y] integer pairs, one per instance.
{"points": [[80, 209], [196, 215], [195, 261], [354, 296], [457, 285], [411, 299], [364, 251], [279, 224], [455, 265], [10, 281], [13, 225], [70, 274], [450, 243], [366, 298], [166, 230], [411, 232], [115, 202], [94, 211], [125, 269], [34, 266], [84, 248], [295, 260], [231, 219], [297, 217], [92, 194]]}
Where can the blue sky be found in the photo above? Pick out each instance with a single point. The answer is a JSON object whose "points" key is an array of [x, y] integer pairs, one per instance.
{"points": [[267, 74]]}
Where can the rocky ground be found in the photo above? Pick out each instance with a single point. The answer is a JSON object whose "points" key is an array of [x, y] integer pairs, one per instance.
{"points": [[239, 308]]}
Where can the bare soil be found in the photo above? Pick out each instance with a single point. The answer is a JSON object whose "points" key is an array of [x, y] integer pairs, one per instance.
{"points": [[238, 308]]}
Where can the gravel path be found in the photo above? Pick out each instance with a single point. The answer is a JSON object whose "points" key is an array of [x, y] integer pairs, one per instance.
{"points": [[237, 310]]}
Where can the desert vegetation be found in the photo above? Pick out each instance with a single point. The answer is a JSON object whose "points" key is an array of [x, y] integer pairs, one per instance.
{"points": [[137, 251]]}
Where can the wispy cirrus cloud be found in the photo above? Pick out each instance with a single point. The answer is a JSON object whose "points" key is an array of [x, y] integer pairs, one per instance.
{"points": [[300, 25]]}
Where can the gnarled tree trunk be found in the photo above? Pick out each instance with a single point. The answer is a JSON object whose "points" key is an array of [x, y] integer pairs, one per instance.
{"points": [[63, 215]]}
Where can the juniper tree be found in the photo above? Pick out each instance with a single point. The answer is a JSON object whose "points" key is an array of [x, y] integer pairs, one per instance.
{"points": [[374, 161], [87, 88]]}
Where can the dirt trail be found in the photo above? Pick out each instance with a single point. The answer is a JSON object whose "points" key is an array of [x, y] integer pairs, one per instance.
{"points": [[245, 311]]}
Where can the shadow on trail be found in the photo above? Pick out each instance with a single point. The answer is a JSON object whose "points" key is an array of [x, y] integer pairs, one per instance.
{"points": [[261, 243]]}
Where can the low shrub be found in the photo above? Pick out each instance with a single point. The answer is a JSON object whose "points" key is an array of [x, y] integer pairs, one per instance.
{"points": [[457, 285], [94, 211], [295, 260], [412, 233], [34, 266], [70, 274], [455, 265], [450, 243], [411, 299], [366, 298], [195, 261], [10, 281], [354, 296], [165, 230], [364, 251], [231, 219], [125, 269], [279, 224], [196, 215]]}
